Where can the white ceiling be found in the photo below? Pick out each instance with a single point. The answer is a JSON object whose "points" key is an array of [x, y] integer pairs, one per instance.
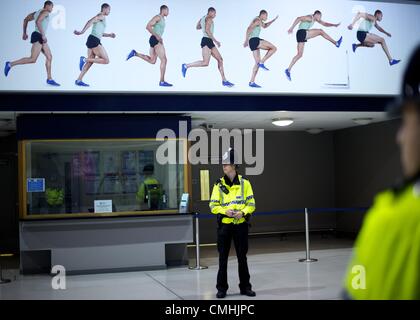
{"points": [[302, 120], [251, 120]]}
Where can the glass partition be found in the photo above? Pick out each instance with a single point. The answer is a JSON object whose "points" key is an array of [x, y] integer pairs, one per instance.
{"points": [[97, 178]]}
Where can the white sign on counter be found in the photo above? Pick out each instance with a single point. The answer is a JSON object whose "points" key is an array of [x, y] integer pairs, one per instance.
{"points": [[103, 206]]}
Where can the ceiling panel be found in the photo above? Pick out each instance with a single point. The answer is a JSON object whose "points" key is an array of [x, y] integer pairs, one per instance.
{"points": [[252, 120]]}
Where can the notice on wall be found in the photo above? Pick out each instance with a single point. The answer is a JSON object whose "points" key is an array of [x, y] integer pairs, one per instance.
{"points": [[35, 185]]}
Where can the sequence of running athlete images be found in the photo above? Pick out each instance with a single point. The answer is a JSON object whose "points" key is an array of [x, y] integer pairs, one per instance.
{"points": [[97, 54]]}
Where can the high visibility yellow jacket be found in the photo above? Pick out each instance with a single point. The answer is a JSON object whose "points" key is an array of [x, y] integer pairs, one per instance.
{"points": [[142, 188], [386, 258], [232, 195]]}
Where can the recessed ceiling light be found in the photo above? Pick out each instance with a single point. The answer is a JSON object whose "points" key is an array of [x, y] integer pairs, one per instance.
{"points": [[314, 130], [282, 122], [362, 121]]}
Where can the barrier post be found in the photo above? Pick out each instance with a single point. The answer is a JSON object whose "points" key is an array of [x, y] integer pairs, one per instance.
{"points": [[308, 252], [197, 246]]}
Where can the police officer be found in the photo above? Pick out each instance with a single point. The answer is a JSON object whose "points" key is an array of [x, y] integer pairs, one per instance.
{"points": [[150, 182], [386, 258], [233, 202]]}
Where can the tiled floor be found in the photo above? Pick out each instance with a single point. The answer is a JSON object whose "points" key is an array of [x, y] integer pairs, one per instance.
{"points": [[276, 275]]}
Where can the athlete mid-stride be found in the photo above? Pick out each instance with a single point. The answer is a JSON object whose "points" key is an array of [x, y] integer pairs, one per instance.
{"points": [[96, 52], [305, 33], [39, 41], [209, 49], [156, 27], [368, 39], [256, 44]]}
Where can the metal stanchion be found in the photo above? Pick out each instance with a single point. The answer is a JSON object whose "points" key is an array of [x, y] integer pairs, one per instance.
{"points": [[2, 281], [197, 246], [308, 252]]}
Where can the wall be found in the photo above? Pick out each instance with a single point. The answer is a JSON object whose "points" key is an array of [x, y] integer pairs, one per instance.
{"points": [[366, 162], [298, 172], [345, 168], [8, 195]]}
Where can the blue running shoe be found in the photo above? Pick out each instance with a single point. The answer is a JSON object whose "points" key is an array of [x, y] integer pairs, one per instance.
{"points": [[354, 47], [287, 72], [82, 63], [7, 68], [254, 85], [184, 70], [81, 83], [227, 84], [262, 66], [165, 84], [51, 82], [393, 61], [338, 44], [133, 53]]}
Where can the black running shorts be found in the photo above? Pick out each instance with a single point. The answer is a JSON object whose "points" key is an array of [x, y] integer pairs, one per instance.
{"points": [[92, 42], [254, 43], [153, 41], [361, 36], [36, 37], [207, 42], [301, 35]]}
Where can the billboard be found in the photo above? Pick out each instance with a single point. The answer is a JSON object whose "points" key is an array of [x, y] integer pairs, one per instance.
{"points": [[338, 47]]}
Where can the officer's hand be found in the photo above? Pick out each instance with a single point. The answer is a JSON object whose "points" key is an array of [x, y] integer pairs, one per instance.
{"points": [[238, 215], [230, 213]]}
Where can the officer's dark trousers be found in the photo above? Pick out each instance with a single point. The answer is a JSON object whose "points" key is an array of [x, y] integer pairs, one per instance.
{"points": [[239, 234]]}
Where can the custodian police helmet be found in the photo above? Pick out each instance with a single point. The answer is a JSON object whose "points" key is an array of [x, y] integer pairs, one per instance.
{"points": [[229, 157]]}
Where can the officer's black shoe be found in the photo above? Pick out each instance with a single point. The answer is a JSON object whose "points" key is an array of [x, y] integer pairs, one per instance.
{"points": [[220, 294], [248, 292]]}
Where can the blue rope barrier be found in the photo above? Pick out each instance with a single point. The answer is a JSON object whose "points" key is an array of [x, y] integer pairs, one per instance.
{"points": [[281, 212], [356, 209]]}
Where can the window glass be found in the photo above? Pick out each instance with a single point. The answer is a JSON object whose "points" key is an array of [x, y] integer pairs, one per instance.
{"points": [[78, 173]]}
